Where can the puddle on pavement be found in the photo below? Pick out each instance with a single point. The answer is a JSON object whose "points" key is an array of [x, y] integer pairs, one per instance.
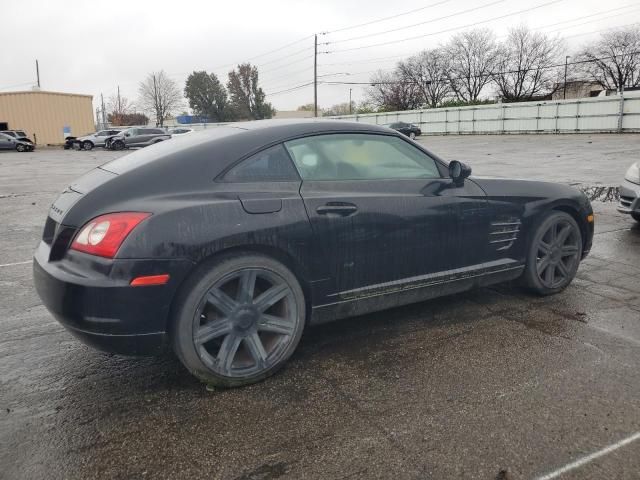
{"points": [[600, 193]]}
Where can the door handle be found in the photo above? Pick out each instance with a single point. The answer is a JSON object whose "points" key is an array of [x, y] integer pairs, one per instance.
{"points": [[342, 209]]}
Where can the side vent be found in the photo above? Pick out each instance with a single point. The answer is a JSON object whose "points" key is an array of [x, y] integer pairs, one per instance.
{"points": [[504, 232]]}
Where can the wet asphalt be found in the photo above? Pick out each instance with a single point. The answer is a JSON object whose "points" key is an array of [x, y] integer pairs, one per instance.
{"points": [[494, 383]]}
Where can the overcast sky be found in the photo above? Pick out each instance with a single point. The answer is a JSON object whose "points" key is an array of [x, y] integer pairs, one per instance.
{"points": [[92, 47]]}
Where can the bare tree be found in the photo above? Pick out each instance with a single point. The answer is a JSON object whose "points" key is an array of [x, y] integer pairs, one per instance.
{"points": [[389, 92], [473, 55], [118, 107], [526, 64], [429, 71], [159, 95], [614, 60]]}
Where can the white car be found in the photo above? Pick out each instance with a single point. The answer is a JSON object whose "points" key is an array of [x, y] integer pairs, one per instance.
{"points": [[96, 139], [630, 193]]}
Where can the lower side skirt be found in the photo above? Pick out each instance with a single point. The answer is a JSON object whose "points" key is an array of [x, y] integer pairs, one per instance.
{"points": [[409, 294]]}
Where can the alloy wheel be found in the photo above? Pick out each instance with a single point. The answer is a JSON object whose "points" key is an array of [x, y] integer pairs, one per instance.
{"points": [[245, 322], [20, 148], [558, 253]]}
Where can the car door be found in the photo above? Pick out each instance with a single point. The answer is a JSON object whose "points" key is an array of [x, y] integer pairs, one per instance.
{"points": [[6, 142], [132, 136], [377, 208]]}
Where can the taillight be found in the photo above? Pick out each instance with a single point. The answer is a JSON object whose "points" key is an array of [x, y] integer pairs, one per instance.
{"points": [[103, 235]]}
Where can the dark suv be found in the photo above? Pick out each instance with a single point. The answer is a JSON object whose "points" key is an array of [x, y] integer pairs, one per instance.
{"points": [[136, 137]]}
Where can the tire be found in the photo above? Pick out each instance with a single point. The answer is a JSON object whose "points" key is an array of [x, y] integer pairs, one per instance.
{"points": [[635, 216], [117, 145], [554, 254], [412, 135], [20, 147], [230, 336], [87, 145]]}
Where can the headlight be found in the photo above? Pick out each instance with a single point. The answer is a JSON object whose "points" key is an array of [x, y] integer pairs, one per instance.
{"points": [[633, 174]]}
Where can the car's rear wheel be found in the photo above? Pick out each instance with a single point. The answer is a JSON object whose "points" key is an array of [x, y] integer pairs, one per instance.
{"points": [[117, 145], [554, 254], [20, 147], [237, 320], [87, 145]]}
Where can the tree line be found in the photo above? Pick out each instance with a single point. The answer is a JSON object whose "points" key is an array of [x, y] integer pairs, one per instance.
{"points": [[524, 66], [160, 96]]}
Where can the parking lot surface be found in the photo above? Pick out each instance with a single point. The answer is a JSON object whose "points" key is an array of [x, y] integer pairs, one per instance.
{"points": [[494, 383]]}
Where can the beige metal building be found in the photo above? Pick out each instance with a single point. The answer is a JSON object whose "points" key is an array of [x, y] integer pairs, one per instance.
{"points": [[47, 117]]}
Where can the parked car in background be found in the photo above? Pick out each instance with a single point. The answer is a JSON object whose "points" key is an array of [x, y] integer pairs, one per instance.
{"points": [[7, 142], [180, 131], [137, 137], [69, 142], [97, 139], [226, 245], [629, 202], [407, 129], [17, 134]]}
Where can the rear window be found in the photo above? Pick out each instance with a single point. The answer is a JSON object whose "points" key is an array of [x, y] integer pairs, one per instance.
{"points": [[270, 165]]}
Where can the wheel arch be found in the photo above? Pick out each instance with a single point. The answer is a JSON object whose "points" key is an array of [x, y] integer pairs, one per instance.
{"points": [[270, 251], [575, 214]]}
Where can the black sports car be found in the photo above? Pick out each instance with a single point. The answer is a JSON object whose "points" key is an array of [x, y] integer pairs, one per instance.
{"points": [[407, 129], [226, 243]]}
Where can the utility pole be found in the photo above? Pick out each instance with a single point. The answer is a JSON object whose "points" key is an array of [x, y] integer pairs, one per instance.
{"points": [[38, 73], [564, 93], [350, 102], [315, 75], [104, 121]]}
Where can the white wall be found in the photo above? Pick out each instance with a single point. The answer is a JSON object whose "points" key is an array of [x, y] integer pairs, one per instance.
{"points": [[599, 114]]}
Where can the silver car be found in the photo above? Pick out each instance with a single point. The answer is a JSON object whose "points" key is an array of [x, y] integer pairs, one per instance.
{"points": [[8, 142], [138, 137], [96, 139], [630, 192]]}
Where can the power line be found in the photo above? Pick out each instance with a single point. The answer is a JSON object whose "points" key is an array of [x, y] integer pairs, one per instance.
{"points": [[297, 87], [448, 29], [266, 53], [397, 57], [451, 15], [589, 16], [287, 65], [601, 30], [591, 21], [351, 27]]}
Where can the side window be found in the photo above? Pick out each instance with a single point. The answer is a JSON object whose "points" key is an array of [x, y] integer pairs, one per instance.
{"points": [[156, 131], [272, 164], [359, 157]]}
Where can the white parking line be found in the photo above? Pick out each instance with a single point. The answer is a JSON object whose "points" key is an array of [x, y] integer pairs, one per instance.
{"points": [[17, 263], [591, 457]]}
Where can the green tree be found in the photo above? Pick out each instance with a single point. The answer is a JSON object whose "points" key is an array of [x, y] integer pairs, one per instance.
{"points": [[247, 99], [207, 96]]}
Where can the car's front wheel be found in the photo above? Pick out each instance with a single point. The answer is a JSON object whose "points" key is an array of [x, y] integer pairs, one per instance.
{"points": [[554, 254], [635, 216], [87, 145], [412, 135], [20, 147], [117, 145], [238, 319]]}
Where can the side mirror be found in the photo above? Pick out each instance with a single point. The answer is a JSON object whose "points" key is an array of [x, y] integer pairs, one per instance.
{"points": [[458, 171]]}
